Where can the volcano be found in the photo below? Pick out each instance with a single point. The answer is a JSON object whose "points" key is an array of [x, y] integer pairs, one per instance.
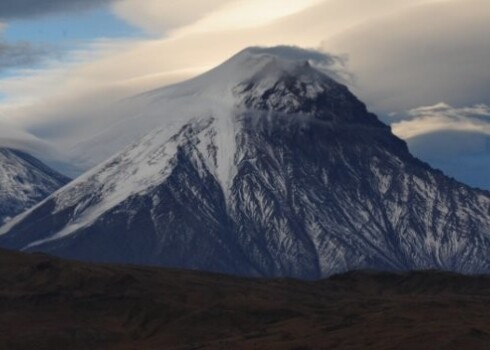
{"points": [[264, 166]]}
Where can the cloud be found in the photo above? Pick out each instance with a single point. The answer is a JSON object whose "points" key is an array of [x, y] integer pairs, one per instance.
{"points": [[13, 137], [22, 54], [442, 117], [158, 16], [65, 92], [420, 55], [12, 9], [333, 65], [178, 18], [455, 140], [239, 14], [62, 91], [403, 53]]}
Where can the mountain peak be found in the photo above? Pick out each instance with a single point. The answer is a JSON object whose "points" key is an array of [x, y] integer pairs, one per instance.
{"points": [[279, 79], [263, 166], [271, 82], [252, 65]]}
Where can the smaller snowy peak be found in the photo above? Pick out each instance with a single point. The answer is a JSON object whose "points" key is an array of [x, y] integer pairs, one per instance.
{"points": [[24, 181]]}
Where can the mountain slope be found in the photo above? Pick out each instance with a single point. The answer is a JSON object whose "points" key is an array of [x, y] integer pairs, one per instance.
{"points": [[266, 167], [24, 182]]}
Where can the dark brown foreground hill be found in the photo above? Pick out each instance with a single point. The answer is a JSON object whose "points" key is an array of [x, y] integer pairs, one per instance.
{"points": [[46, 303]]}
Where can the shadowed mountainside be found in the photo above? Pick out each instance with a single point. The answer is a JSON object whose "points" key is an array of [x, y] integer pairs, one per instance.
{"points": [[47, 303]]}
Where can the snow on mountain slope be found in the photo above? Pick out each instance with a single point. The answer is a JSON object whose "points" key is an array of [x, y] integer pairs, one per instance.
{"points": [[133, 118], [263, 166], [24, 182]]}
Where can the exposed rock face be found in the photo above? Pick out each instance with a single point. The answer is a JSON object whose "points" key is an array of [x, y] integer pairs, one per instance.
{"points": [[263, 167]]}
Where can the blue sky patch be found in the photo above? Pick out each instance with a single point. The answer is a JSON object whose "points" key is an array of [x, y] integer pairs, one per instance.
{"points": [[64, 29]]}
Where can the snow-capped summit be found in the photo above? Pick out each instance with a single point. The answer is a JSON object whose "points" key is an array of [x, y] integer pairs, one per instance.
{"points": [[246, 75], [259, 66], [258, 79], [263, 166]]}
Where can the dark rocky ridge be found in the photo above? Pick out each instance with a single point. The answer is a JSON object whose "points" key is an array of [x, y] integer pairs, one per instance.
{"points": [[47, 303]]}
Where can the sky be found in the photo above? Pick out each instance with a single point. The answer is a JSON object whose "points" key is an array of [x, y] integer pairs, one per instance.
{"points": [[421, 65]]}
